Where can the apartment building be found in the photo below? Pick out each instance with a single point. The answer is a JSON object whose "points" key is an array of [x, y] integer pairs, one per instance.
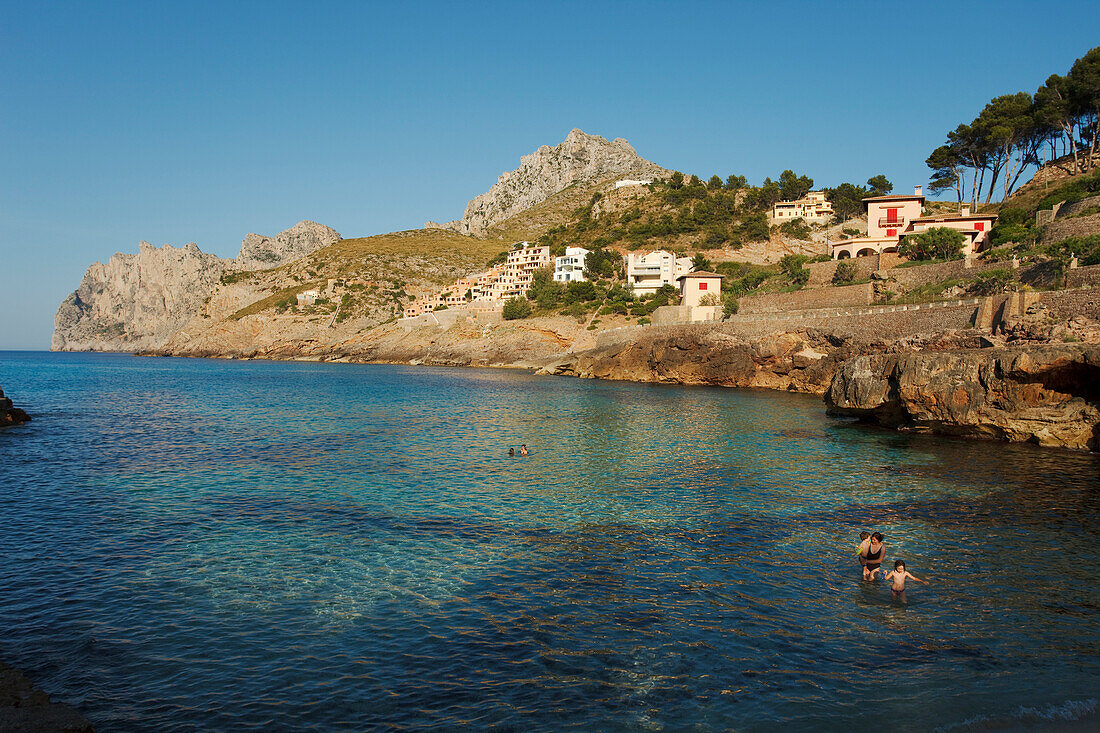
{"points": [[646, 274], [812, 208]]}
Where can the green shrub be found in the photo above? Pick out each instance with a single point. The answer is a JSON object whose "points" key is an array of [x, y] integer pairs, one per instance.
{"points": [[992, 282], [845, 272], [934, 243], [796, 228], [515, 308], [730, 306]]}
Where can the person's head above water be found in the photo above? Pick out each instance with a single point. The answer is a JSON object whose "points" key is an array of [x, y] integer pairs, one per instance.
{"points": [[864, 535], [899, 565], [877, 537], [511, 451]]}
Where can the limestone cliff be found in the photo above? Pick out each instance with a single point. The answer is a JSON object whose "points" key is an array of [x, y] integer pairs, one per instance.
{"points": [[260, 252], [1041, 394], [136, 301], [548, 170]]}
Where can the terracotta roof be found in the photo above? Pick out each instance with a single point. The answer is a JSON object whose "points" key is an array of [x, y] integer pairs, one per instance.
{"points": [[701, 273], [895, 197]]}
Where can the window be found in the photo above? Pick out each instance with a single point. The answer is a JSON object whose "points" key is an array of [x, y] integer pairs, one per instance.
{"points": [[891, 215], [702, 286], [891, 232], [980, 226]]}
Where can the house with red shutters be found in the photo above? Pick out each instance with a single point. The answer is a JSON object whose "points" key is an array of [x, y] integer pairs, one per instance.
{"points": [[889, 218]]}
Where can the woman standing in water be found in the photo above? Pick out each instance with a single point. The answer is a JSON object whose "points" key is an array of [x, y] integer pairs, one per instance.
{"points": [[871, 558]]}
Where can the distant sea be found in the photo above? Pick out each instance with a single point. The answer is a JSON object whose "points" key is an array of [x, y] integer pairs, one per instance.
{"points": [[228, 545]]}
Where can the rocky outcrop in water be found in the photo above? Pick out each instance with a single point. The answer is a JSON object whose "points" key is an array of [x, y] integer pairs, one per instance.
{"points": [[800, 361], [548, 170], [25, 709], [9, 413], [136, 301], [260, 252], [1049, 395]]}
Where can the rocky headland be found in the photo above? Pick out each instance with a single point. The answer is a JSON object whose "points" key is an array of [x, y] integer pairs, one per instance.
{"points": [[28, 710], [9, 413], [138, 301]]}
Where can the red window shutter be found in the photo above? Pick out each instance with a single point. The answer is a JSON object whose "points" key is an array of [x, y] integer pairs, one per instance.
{"points": [[980, 226], [702, 286], [891, 215], [891, 232]]}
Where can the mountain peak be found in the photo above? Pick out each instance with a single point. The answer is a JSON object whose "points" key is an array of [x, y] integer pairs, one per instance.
{"points": [[548, 170]]}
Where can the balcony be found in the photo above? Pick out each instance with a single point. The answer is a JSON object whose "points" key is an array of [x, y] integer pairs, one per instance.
{"points": [[884, 222]]}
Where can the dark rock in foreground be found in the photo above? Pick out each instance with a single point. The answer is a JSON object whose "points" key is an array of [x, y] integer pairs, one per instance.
{"points": [[9, 414], [25, 709], [1049, 395]]}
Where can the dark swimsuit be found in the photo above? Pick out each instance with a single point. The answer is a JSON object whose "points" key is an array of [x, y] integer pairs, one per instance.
{"points": [[874, 562]]}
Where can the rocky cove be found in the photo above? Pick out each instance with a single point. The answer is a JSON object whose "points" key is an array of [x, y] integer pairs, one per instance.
{"points": [[952, 382]]}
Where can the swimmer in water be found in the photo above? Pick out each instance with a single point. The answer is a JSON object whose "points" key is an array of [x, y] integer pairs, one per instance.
{"points": [[872, 557], [523, 449], [898, 575], [511, 451]]}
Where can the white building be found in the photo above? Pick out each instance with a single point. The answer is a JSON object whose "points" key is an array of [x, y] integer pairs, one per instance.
{"points": [[630, 182], [646, 274], [570, 267], [695, 287], [309, 297]]}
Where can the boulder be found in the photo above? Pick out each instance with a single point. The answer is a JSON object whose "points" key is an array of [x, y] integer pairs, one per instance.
{"points": [[1041, 394]]}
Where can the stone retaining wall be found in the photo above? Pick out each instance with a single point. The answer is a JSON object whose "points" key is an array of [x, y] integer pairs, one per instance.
{"points": [[914, 277], [871, 323], [821, 273], [838, 297], [1069, 303], [1081, 277], [1061, 228]]}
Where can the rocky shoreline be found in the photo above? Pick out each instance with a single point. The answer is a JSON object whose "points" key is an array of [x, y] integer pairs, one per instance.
{"points": [[29, 710], [956, 383], [9, 413]]}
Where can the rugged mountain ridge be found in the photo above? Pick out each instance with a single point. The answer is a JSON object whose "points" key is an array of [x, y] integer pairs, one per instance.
{"points": [[547, 171], [138, 301], [260, 252]]}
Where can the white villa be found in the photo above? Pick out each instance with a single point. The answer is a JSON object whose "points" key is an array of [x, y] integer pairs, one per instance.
{"points": [[570, 267], [889, 218], [812, 208], [645, 274]]}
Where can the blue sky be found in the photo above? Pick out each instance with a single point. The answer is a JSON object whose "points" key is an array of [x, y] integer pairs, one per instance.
{"points": [[177, 122]]}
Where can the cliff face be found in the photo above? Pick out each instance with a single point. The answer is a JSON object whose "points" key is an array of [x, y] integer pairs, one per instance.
{"points": [[545, 172], [136, 301], [1048, 395], [259, 252]]}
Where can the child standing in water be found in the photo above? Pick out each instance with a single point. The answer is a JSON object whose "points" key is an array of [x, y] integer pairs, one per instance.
{"points": [[899, 574]]}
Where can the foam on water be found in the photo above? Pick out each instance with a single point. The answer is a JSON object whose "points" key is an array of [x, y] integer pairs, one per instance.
{"points": [[225, 545]]}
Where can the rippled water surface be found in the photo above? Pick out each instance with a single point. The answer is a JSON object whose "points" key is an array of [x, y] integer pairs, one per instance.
{"points": [[210, 545]]}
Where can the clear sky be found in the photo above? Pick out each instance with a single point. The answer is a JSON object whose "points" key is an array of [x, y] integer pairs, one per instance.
{"points": [[195, 121]]}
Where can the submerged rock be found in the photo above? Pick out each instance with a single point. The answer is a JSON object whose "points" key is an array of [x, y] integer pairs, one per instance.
{"points": [[23, 708], [1049, 395]]}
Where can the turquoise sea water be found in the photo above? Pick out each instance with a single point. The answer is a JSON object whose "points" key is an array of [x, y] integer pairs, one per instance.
{"points": [[215, 545]]}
